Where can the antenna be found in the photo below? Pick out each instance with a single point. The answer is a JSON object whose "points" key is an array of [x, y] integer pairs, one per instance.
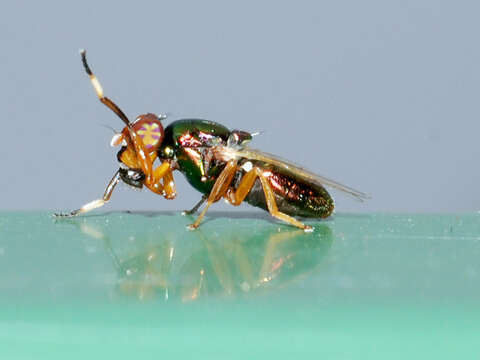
{"points": [[99, 90]]}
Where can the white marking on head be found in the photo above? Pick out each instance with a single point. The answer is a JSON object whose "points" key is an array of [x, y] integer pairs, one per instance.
{"points": [[117, 139]]}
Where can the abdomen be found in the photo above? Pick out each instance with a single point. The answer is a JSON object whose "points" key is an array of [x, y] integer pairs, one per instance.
{"points": [[294, 197]]}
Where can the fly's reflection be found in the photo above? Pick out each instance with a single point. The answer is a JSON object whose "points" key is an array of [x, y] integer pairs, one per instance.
{"points": [[231, 262]]}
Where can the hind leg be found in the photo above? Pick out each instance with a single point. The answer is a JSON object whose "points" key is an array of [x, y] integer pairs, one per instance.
{"points": [[235, 197]]}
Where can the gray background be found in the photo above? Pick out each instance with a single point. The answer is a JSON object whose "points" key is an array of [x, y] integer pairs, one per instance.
{"points": [[379, 95]]}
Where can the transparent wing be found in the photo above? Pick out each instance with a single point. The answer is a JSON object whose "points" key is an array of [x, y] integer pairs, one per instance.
{"points": [[227, 153]]}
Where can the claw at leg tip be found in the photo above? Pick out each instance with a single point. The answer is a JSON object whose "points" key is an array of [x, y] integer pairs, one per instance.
{"points": [[191, 227], [308, 229]]}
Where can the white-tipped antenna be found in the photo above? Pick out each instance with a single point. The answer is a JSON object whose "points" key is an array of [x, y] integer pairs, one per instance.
{"points": [[99, 90]]}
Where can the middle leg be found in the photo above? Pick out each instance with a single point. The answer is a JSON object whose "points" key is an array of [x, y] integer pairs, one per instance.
{"points": [[196, 207], [218, 191]]}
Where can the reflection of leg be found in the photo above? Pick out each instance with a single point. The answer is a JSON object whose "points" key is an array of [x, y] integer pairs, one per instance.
{"points": [[196, 207], [219, 189], [243, 262], [270, 265], [100, 235], [235, 197], [96, 203]]}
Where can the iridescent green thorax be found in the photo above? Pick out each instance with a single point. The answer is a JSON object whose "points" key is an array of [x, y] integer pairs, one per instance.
{"points": [[187, 141]]}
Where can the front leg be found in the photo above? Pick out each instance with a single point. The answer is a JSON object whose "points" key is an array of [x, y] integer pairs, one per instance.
{"points": [[95, 203], [163, 173], [169, 188], [144, 159]]}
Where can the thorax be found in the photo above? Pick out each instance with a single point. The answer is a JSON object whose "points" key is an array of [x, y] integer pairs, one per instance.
{"points": [[188, 142]]}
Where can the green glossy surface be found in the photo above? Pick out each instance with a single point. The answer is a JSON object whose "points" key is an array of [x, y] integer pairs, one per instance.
{"points": [[124, 285]]}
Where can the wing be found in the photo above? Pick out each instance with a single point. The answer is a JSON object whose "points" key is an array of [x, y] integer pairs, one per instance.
{"points": [[227, 153]]}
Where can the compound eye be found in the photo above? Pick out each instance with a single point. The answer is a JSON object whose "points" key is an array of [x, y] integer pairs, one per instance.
{"points": [[150, 129]]}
